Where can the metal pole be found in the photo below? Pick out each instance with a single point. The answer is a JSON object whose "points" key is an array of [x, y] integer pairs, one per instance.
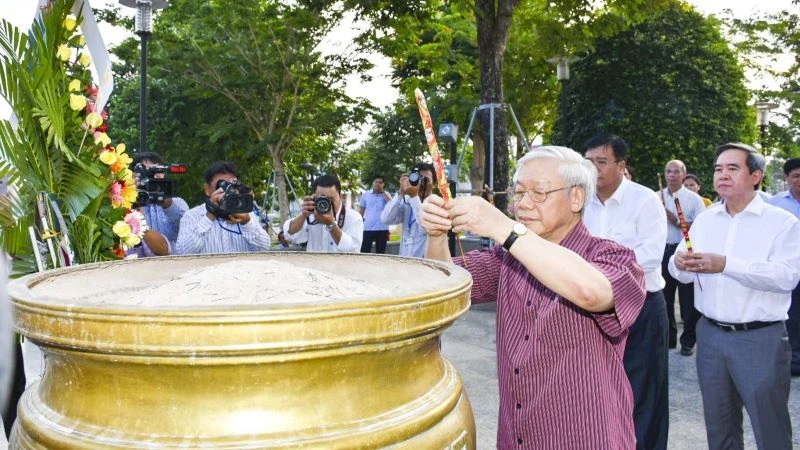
{"points": [[565, 128], [143, 94]]}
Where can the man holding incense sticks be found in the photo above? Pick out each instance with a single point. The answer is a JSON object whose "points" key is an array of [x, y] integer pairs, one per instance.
{"points": [[565, 301], [692, 205], [747, 257]]}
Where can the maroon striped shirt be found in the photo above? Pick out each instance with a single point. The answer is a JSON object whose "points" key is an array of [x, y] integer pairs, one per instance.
{"points": [[562, 383]]}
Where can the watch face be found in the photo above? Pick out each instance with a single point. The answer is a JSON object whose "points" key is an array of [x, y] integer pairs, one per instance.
{"points": [[520, 228]]}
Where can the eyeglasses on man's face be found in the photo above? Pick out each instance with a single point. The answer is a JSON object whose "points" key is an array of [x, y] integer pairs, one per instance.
{"points": [[536, 195], [602, 163]]}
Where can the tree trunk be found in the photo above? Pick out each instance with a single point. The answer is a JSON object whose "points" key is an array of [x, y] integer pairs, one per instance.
{"points": [[494, 21], [280, 183], [477, 172]]}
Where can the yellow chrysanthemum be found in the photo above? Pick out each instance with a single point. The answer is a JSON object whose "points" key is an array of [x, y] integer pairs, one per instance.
{"points": [[101, 138], [63, 52], [77, 102], [70, 23], [121, 229], [94, 120], [132, 240], [74, 86], [108, 157], [85, 59], [81, 41]]}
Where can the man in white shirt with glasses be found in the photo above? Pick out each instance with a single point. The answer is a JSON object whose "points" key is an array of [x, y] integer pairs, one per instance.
{"points": [[631, 214]]}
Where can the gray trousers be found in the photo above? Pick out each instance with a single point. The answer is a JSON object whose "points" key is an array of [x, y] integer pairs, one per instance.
{"points": [[749, 368]]}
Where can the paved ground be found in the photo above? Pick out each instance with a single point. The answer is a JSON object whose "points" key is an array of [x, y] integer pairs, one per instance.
{"points": [[470, 345]]}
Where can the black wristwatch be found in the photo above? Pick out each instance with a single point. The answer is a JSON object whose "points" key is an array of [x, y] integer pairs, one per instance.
{"points": [[517, 230]]}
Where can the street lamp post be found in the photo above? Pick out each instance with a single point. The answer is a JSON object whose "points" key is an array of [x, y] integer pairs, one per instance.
{"points": [[562, 72], [762, 119], [144, 29]]}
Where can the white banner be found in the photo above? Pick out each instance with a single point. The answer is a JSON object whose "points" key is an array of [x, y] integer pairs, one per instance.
{"points": [[97, 50]]}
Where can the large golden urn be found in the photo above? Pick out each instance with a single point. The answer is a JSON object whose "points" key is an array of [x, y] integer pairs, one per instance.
{"points": [[335, 373]]}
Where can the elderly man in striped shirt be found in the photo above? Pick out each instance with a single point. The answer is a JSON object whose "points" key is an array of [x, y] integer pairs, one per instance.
{"points": [[565, 301]]}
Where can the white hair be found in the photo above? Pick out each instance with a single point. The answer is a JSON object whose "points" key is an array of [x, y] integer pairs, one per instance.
{"points": [[573, 168]]}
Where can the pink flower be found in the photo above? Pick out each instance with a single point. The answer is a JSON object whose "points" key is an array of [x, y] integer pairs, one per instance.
{"points": [[91, 91], [117, 199]]}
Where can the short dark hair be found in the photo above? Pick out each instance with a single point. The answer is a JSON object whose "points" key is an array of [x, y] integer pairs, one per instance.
{"points": [[378, 176], [694, 177], [427, 166], [617, 144], [327, 180], [219, 167], [754, 159], [790, 165], [147, 156]]}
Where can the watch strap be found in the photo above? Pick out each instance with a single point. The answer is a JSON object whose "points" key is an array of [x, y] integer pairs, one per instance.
{"points": [[512, 237]]}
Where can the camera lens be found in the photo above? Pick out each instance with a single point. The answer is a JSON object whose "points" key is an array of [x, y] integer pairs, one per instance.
{"points": [[414, 178], [142, 197], [322, 204], [222, 184]]}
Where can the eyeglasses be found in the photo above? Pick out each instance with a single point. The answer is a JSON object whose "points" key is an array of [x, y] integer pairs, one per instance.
{"points": [[602, 163], [535, 195]]}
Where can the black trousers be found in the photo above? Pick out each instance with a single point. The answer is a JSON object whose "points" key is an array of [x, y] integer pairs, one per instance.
{"points": [[689, 314], [379, 237], [793, 328], [647, 366]]}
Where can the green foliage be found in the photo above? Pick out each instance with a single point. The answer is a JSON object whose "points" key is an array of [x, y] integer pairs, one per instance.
{"points": [[669, 86], [243, 81], [49, 148], [762, 40], [395, 144]]}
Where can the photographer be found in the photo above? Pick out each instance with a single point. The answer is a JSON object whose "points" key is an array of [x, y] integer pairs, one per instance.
{"points": [[225, 223], [163, 217], [405, 208], [325, 223]]}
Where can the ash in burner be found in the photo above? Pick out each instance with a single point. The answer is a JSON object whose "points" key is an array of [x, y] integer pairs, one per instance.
{"points": [[250, 283]]}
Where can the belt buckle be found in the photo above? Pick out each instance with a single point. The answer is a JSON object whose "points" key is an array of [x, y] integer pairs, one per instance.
{"points": [[726, 326]]}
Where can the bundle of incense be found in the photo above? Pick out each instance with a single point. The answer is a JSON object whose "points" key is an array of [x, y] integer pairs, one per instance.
{"points": [[433, 148], [685, 231], [661, 191]]}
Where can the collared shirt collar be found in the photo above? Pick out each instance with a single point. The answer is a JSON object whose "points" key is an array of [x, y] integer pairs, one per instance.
{"points": [[756, 206], [618, 196]]}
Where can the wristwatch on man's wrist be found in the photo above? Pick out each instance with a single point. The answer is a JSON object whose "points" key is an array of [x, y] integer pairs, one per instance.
{"points": [[330, 226], [519, 229]]}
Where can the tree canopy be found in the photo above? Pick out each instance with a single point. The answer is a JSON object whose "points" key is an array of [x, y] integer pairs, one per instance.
{"points": [[670, 86], [246, 81]]}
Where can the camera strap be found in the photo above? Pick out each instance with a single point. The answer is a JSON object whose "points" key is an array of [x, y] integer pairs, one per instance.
{"points": [[339, 220]]}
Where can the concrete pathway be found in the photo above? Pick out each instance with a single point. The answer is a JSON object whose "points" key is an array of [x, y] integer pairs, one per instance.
{"points": [[470, 345]]}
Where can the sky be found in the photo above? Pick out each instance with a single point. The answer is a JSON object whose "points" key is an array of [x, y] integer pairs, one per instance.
{"points": [[379, 91]]}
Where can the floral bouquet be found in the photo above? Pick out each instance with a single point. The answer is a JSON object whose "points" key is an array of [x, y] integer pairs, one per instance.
{"points": [[59, 145]]}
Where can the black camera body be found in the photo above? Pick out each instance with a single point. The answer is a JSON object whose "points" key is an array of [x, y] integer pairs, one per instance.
{"points": [[236, 198], [323, 204], [154, 187]]}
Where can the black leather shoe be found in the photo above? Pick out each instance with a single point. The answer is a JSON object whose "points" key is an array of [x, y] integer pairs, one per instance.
{"points": [[686, 351]]}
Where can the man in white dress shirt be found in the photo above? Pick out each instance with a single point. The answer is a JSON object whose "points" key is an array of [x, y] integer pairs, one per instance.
{"points": [[747, 256], [692, 205], [336, 228], [631, 214]]}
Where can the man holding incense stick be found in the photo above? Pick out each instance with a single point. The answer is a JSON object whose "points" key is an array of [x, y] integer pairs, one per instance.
{"points": [[565, 301], [692, 204], [747, 256]]}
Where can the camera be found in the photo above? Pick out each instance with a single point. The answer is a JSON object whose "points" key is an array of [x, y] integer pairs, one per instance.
{"points": [[236, 198], [154, 187], [414, 176], [323, 204]]}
